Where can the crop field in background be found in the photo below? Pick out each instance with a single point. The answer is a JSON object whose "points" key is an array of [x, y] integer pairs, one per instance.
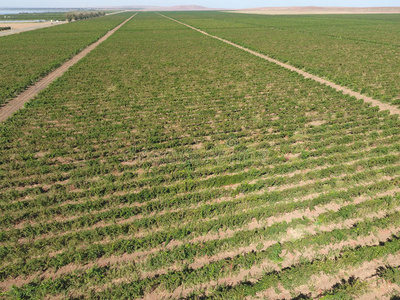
{"points": [[357, 51], [28, 56], [34, 16], [167, 164], [44, 15]]}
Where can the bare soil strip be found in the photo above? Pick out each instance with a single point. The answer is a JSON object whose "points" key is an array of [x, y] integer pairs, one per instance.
{"points": [[17, 103], [382, 106], [25, 26], [380, 289]]}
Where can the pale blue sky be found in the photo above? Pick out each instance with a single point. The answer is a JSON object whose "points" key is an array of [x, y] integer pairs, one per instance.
{"points": [[208, 3]]}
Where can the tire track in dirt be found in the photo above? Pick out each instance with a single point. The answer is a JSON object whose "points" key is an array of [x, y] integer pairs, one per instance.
{"points": [[18, 102], [382, 106]]}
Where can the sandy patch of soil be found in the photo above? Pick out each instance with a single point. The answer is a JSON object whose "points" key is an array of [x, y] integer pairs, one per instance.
{"points": [[316, 123], [19, 27], [24, 25]]}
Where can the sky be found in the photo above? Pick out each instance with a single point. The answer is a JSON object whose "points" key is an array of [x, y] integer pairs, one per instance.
{"points": [[207, 3]]}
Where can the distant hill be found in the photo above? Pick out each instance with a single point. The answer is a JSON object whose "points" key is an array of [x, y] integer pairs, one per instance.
{"points": [[319, 10]]}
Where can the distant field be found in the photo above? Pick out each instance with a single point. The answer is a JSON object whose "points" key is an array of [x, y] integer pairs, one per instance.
{"points": [[357, 51], [41, 16], [30, 55], [35, 16], [167, 164], [24, 26], [310, 10]]}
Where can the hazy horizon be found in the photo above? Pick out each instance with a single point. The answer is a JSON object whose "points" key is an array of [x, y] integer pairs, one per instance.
{"points": [[207, 3]]}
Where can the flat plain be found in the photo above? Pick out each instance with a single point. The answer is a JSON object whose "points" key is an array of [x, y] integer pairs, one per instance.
{"points": [[168, 164], [28, 56], [318, 10]]}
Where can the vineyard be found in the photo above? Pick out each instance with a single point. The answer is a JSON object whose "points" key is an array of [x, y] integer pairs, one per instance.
{"points": [[334, 47], [51, 15], [28, 56], [35, 16], [168, 164]]}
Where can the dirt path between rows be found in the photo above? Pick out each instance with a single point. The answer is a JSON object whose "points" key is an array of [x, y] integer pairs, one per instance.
{"points": [[382, 106], [18, 102]]}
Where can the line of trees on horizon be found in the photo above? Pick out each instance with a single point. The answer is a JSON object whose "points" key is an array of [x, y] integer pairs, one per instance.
{"points": [[83, 15]]}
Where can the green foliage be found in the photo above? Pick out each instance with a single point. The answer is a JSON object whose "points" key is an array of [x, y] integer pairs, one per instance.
{"points": [[166, 159], [35, 16], [83, 15], [31, 55], [352, 50]]}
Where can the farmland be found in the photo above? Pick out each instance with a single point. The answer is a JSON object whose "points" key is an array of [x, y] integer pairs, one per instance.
{"points": [[46, 15], [35, 16], [334, 47], [169, 164], [30, 55]]}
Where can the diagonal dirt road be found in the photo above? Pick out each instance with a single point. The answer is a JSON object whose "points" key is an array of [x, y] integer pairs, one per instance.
{"points": [[18, 102], [382, 106]]}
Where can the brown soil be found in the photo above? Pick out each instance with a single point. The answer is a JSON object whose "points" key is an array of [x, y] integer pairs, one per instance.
{"points": [[25, 26], [316, 123], [322, 281], [199, 262], [373, 102], [226, 233], [18, 102], [292, 234], [289, 259], [380, 289], [289, 156]]}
